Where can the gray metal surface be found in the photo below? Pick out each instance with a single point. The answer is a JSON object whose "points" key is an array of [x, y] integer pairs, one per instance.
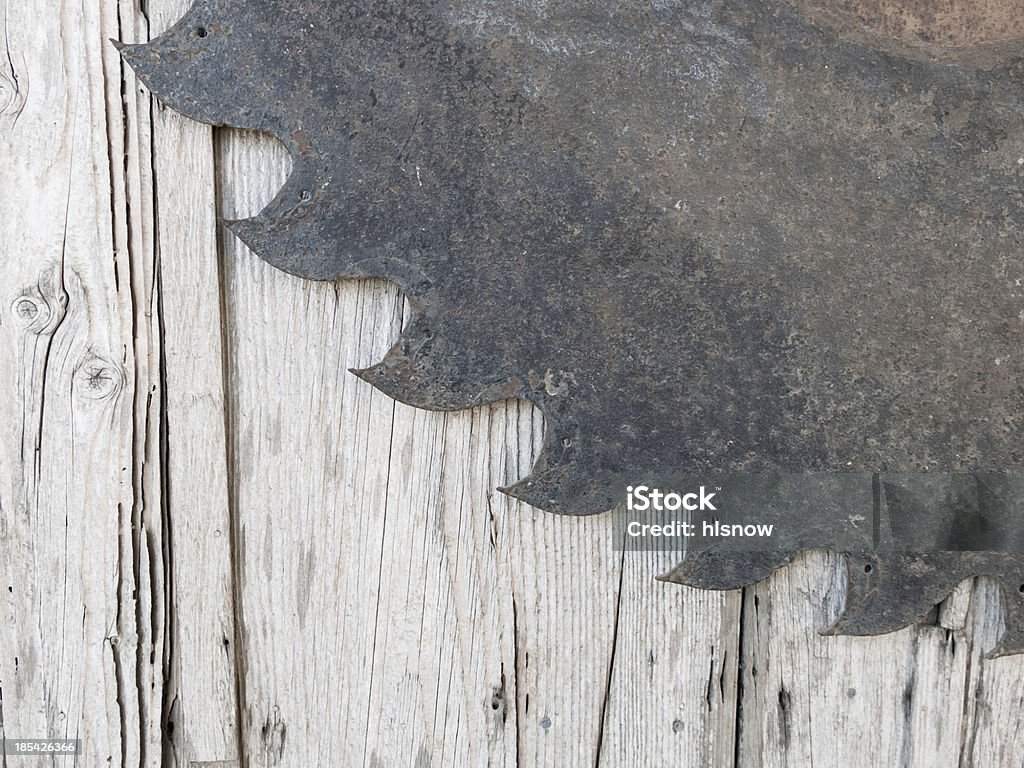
{"points": [[708, 239]]}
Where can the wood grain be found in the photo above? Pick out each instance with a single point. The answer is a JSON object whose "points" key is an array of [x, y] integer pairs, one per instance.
{"points": [[220, 548], [202, 707], [912, 698], [459, 627], [83, 630]]}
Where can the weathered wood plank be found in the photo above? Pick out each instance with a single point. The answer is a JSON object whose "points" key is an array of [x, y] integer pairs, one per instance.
{"points": [[993, 724], [674, 688], [83, 626], [311, 464], [389, 590], [913, 698], [393, 608], [203, 709]]}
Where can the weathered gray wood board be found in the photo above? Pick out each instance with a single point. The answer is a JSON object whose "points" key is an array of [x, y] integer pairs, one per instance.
{"points": [[218, 546]]}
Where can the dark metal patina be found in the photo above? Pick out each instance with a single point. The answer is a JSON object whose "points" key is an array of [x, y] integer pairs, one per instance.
{"points": [[717, 241]]}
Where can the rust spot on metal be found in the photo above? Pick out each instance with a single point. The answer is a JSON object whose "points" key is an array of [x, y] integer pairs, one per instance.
{"points": [[980, 32]]}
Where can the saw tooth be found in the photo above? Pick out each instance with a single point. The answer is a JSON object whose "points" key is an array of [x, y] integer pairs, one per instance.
{"points": [[726, 570], [886, 593], [554, 487], [297, 245], [426, 370], [1011, 583], [547, 491], [294, 245], [291, 234], [1010, 644], [182, 68]]}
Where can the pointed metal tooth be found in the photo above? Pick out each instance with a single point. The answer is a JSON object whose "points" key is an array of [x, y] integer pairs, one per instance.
{"points": [[1010, 644], [726, 570], [292, 247], [887, 593], [291, 234], [1012, 640], [142, 60], [428, 371], [129, 51], [141, 57], [551, 487], [181, 70], [545, 487], [256, 232], [1007, 646], [542, 491], [554, 489]]}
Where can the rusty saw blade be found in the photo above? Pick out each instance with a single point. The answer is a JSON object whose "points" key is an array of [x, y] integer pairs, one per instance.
{"points": [[770, 247]]}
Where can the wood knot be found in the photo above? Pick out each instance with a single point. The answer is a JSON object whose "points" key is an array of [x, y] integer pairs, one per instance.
{"points": [[37, 314], [11, 99], [29, 309], [98, 379], [41, 307]]}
